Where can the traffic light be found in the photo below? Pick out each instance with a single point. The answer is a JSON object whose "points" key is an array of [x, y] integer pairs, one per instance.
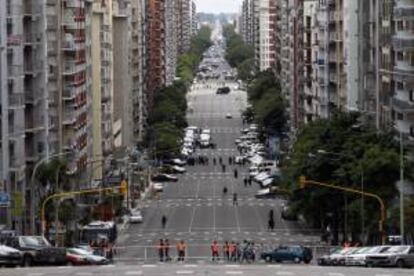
{"points": [[124, 187], [302, 182]]}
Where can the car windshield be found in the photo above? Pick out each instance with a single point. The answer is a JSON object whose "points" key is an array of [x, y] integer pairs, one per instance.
{"points": [[397, 249], [78, 251], [34, 241]]}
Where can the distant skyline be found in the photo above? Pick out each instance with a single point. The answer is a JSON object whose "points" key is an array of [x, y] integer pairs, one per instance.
{"points": [[218, 6]]}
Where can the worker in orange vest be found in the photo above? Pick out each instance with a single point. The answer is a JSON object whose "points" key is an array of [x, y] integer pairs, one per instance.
{"points": [[215, 251], [232, 250], [181, 247], [226, 249]]}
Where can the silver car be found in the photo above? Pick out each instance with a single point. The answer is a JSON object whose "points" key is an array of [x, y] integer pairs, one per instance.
{"points": [[359, 257], [399, 256]]}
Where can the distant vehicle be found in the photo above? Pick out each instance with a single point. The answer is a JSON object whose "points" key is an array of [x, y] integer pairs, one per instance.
{"points": [[296, 254], [223, 90], [136, 217], [229, 116], [337, 257], [158, 187], [179, 162], [164, 178], [37, 250], [178, 169], [78, 256], [97, 230], [397, 256], [10, 257], [265, 193]]}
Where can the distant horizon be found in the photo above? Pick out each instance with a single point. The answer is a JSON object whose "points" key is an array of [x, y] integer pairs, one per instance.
{"points": [[218, 6]]}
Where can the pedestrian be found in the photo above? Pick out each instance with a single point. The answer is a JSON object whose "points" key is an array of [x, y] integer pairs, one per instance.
{"points": [[181, 247], [271, 214], [245, 182], [214, 161], [236, 174], [230, 160], [220, 160], [215, 251], [250, 182], [238, 252], [167, 250], [226, 250], [232, 251], [163, 221], [161, 250], [223, 168], [235, 199], [271, 224]]}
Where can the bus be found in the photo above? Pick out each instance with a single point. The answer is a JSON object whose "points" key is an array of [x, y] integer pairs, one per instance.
{"points": [[98, 230]]}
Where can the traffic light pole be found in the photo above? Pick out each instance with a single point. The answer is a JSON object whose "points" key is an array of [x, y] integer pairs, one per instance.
{"points": [[303, 182], [66, 194]]}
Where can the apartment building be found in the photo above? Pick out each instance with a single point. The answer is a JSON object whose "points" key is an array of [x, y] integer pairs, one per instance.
{"points": [[265, 44], [194, 18], [171, 50], [402, 68], [24, 121], [184, 25]]}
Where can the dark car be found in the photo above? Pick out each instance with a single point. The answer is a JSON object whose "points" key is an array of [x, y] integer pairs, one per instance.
{"points": [[223, 90], [36, 250], [9, 256], [296, 254], [164, 178]]}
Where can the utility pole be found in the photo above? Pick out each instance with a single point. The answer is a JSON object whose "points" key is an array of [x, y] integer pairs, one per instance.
{"points": [[402, 232]]}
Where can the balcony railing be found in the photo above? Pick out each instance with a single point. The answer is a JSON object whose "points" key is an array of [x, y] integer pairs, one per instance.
{"points": [[16, 100], [402, 12], [402, 105], [403, 42]]}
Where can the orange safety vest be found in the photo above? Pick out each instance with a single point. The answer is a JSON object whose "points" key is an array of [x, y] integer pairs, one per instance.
{"points": [[232, 248], [214, 247], [181, 246]]}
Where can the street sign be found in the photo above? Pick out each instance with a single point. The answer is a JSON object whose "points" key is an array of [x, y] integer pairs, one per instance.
{"points": [[4, 199]]}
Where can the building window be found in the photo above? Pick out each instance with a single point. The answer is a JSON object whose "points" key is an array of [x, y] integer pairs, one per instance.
{"points": [[400, 85], [411, 94], [400, 116], [400, 56]]}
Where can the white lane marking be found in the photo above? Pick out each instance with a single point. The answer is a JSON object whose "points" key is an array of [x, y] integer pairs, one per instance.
{"points": [[149, 266], [274, 265], [184, 272], [335, 274], [83, 273], [234, 272], [232, 265], [383, 275], [190, 265], [133, 272], [284, 273], [35, 274]]}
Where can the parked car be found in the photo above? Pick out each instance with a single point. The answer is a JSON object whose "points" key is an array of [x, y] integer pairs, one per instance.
{"points": [[265, 193], [178, 169], [37, 250], [359, 257], [164, 178], [229, 116], [223, 90], [78, 256], [135, 217], [326, 258], [158, 187], [296, 254], [10, 257], [175, 161], [398, 256], [338, 257]]}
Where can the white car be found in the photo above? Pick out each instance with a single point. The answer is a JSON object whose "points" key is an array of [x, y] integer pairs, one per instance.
{"points": [[261, 176], [229, 116], [178, 169], [268, 181], [136, 217], [179, 162], [158, 187], [206, 131]]}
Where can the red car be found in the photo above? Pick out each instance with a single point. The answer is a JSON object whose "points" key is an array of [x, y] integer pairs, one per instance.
{"points": [[74, 258]]}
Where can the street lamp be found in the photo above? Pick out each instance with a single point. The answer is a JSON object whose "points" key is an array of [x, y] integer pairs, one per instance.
{"points": [[402, 226], [32, 186], [324, 152]]}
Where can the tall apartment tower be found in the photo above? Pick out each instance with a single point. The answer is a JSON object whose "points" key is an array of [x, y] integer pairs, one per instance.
{"points": [[171, 50], [24, 121], [183, 17], [403, 70], [194, 19], [156, 48], [265, 47]]}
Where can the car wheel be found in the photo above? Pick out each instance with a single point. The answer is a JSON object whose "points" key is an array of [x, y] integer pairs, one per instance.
{"points": [[268, 259], [307, 261], [27, 261], [400, 264], [296, 260]]}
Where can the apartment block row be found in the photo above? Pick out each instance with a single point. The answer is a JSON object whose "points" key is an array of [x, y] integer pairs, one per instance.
{"points": [[338, 55], [77, 80]]}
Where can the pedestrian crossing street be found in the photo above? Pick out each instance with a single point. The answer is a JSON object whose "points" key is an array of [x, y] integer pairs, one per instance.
{"points": [[209, 202]]}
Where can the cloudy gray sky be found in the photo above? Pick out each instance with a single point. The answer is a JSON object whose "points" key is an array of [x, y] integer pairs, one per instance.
{"points": [[217, 6]]}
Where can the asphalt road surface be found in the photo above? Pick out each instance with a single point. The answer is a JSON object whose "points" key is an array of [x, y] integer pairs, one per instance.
{"points": [[195, 207], [204, 270]]}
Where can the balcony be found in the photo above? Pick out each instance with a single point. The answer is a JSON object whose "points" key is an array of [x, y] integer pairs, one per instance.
{"points": [[404, 66], [31, 68], [71, 68], [30, 39], [16, 101], [71, 46], [17, 164], [403, 12], [73, 4], [403, 41], [14, 71], [32, 126], [402, 105]]}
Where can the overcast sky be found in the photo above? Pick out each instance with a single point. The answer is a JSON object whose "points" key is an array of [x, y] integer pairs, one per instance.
{"points": [[217, 6]]}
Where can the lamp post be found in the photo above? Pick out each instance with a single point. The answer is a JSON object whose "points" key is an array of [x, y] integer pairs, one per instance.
{"points": [[324, 152], [32, 186], [402, 226]]}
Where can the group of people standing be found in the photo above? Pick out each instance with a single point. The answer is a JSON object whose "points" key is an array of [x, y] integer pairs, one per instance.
{"points": [[163, 248], [234, 252]]}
